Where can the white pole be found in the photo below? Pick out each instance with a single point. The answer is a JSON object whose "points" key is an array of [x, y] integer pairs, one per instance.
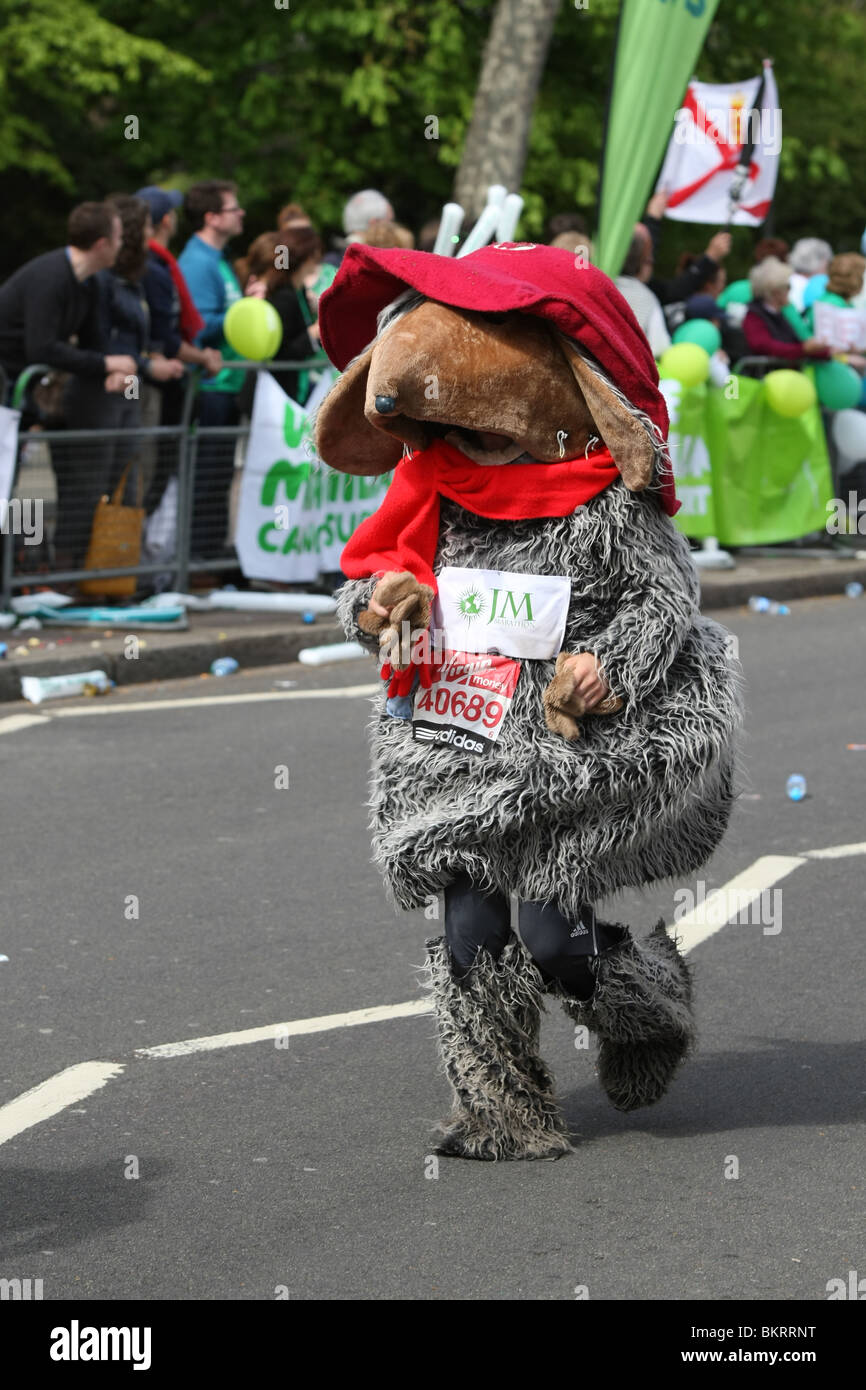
{"points": [[484, 229], [509, 217], [449, 227]]}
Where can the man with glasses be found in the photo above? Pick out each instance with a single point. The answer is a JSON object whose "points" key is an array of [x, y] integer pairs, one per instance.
{"points": [[216, 217]]}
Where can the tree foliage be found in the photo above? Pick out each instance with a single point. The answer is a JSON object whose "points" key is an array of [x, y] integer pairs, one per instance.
{"points": [[316, 100]]}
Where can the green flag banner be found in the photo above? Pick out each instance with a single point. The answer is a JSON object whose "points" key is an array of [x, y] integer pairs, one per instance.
{"points": [[743, 473], [658, 45]]}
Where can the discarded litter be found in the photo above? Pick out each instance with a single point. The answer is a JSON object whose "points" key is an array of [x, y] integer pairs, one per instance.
{"points": [[33, 642], [23, 604], [332, 651], [4, 958], [856, 747], [255, 602], [137, 615], [854, 589], [3, 650], [7, 620], [224, 666], [309, 617], [29, 625], [176, 600], [39, 688], [759, 604], [795, 787], [290, 685]]}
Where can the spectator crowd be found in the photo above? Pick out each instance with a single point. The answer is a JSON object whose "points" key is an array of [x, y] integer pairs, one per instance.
{"points": [[113, 322], [774, 322]]}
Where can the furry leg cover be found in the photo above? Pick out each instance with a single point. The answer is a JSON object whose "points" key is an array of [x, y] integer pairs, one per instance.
{"points": [[489, 1024], [641, 1009]]}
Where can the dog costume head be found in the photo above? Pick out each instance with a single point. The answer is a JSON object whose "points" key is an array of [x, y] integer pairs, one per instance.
{"points": [[514, 353]]}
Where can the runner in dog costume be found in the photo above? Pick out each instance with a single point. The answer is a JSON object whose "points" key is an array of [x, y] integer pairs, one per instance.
{"points": [[517, 398]]}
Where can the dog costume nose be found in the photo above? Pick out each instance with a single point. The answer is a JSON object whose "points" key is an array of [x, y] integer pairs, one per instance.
{"points": [[385, 405]]}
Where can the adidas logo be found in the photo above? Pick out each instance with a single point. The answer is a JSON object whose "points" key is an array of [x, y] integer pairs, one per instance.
{"points": [[456, 740]]}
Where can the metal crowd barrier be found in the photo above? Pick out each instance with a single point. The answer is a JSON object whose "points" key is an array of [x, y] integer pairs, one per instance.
{"points": [[61, 474]]}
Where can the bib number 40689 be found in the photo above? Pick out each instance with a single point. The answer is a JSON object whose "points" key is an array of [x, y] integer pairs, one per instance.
{"points": [[459, 705], [466, 706]]}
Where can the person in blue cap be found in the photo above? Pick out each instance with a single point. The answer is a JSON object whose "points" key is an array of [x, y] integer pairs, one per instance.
{"points": [[174, 324]]}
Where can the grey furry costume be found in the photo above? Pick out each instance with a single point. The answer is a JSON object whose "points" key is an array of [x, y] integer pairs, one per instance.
{"points": [[641, 794]]}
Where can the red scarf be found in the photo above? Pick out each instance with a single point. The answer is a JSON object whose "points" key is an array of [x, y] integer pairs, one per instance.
{"points": [[191, 321], [403, 532]]}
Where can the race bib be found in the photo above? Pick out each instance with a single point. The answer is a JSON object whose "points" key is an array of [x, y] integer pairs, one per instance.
{"points": [[467, 703], [521, 615]]}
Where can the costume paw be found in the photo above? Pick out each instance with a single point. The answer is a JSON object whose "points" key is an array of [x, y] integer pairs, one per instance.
{"points": [[564, 705], [409, 602]]}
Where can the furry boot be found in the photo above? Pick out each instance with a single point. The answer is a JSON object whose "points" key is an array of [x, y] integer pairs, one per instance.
{"points": [[489, 1024], [641, 1010]]}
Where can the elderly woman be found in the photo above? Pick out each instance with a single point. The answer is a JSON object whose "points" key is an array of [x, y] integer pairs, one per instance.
{"points": [[809, 256], [768, 332], [844, 283]]}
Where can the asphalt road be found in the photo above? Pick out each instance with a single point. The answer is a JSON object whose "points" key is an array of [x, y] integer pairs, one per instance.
{"points": [[158, 886]]}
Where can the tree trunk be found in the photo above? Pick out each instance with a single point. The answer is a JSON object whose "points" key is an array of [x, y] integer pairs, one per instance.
{"points": [[511, 68]]}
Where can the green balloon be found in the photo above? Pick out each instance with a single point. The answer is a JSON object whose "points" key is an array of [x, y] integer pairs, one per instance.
{"points": [[796, 321], [700, 331], [738, 292], [254, 329], [685, 362], [838, 386], [789, 393]]}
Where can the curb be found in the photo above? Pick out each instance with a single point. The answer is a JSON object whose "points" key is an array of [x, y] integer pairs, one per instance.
{"points": [[735, 590], [168, 656], [176, 655]]}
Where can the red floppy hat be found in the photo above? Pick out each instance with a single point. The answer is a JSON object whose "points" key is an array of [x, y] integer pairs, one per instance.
{"points": [[546, 281]]}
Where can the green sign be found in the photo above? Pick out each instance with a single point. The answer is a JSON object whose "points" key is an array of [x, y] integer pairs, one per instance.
{"points": [[657, 48], [745, 474]]}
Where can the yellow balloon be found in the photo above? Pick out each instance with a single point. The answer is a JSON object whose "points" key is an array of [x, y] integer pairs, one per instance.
{"points": [[254, 329], [789, 393], [685, 362]]}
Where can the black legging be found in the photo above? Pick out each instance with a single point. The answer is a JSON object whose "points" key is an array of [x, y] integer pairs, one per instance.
{"points": [[561, 949]]}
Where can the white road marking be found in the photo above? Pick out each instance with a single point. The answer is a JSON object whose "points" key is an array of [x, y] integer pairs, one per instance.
{"points": [[76, 1082], [13, 722], [55, 1094], [104, 706], [836, 851], [300, 1025], [732, 898]]}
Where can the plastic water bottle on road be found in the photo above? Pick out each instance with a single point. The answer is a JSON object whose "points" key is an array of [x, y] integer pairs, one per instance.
{"points": [[224, 666], [796, 787]]}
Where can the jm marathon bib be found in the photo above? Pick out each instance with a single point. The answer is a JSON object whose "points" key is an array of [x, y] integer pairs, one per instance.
{"points": [[484, 618], [521, 615]]}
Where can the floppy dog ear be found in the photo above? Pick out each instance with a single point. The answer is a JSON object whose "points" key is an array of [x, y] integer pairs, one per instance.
{"points": [[625, 436], [344, 439]]}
